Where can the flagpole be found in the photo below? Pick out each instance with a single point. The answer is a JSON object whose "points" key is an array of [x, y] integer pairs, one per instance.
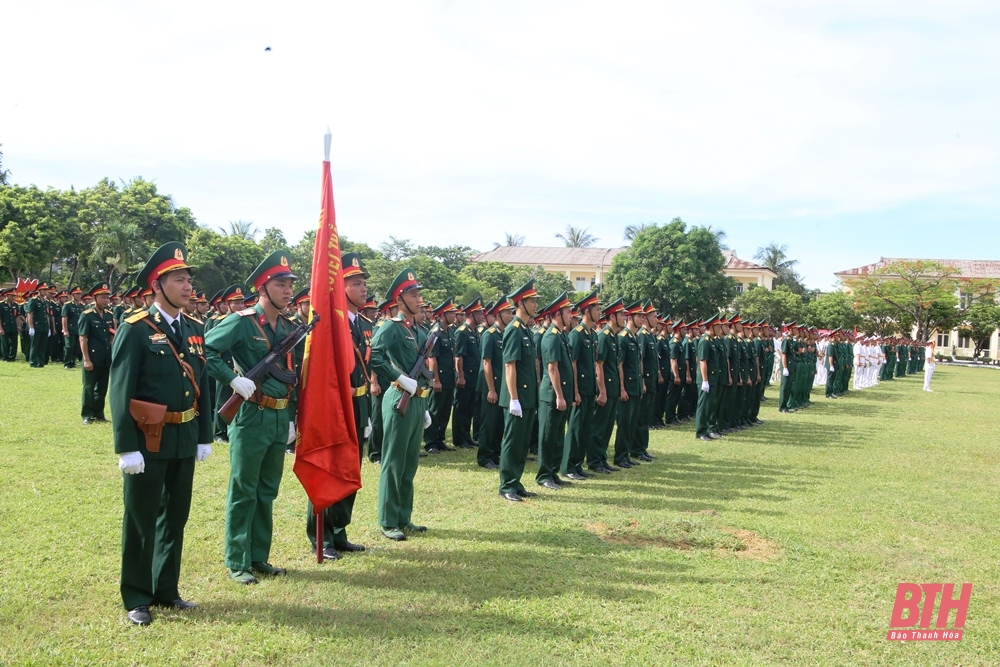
{"points": [[327, 141]]}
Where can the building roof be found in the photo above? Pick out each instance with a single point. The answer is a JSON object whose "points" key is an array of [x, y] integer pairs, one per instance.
{"points": [[969, 268], [548, 256], [734, 263]]}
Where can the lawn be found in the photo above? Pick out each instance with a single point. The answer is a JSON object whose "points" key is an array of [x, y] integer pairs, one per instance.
{"points": [[779, 545]]}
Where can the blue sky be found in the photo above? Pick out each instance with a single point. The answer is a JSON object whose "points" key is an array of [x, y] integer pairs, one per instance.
{"points": [[848, 131]]}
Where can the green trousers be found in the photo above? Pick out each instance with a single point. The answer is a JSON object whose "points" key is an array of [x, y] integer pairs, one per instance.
{"points": [[785, 389], [646, 410], [628, 427], [157, 503], [600, 438], [670, 410], [514, 448], [8, 346], [400, 454], [95, 390], [490, 432], [440, 406], [551, 440], [702, 416], [40, 347], [72, 352], [465, 408], [257, 441], [222, 394], [578, 435], [378, 428]]}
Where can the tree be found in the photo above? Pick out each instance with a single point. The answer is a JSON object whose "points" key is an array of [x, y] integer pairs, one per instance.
{"points": [[243, 229], [274, 239], [496, 277], [981, 320], [226, 260], [832, 310], [511, 240], [548, 285], [455, 257], [922, 291], [775, 257], [120, 246], [4, 174], [681, 270], [631, 231], [776, 306], [574, 237], [396, 249], [33, 226]]}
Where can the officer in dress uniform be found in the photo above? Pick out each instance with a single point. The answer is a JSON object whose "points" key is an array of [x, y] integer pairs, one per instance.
{"points": [[632, 388], [70, 319], [234, 301], [556, 395], [442, 363], [583, 349], [648, 347], [387, 310], [95, 332], [395, 349], [338, 516], [518, 393], [607, 369], [263, 426], [37, 312], [468, 357], [490, 382], [158, 373], [55, 306], [9, 320]]}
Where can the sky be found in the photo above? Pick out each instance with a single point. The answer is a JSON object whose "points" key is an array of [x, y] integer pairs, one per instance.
{"points": [[848, 131]]}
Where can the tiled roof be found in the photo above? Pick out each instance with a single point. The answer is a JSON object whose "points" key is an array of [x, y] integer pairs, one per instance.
{"points": [[735, 263], [545, 256], [969, 268]]}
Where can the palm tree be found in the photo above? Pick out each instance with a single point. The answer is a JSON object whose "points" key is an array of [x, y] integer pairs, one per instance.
{"points": [[120, 245], [631, 231], [577, 238], [720, 237], [244, 229], [775, 257], [514, 239]]}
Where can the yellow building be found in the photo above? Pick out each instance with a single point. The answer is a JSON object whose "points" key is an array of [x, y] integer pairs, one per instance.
{"points": [[587, 267], [970, 269]]}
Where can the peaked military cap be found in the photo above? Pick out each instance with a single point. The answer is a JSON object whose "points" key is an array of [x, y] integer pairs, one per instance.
{"points": [[475, 306], [276, 265], [405, 281], [252, 299], [446, 306], [168, 257], [215, 299], [560, 302], [634, 309], [301, 296], [488, 308], [234, 293], [648, 308], [351, 265], [99, 288], [525, 291], [370, 303], [386, 306], [75, 290], [616, 306], [502, 304], [587, 301]]}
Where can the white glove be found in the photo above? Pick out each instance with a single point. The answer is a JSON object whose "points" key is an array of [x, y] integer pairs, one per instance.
{"points": [[832, 369], [50, 333], [204, 451], [705, 386], [784, 371], [131, 463], [427, 420], [243, 386], [515, 408], [368, 429], [31, 331], [291, 433], [408, 384]]}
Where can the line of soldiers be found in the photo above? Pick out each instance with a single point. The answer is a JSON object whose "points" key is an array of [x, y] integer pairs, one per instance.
{"points": [[44, 322]]}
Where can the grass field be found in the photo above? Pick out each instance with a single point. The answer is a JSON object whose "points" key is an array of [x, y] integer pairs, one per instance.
{"points": [[780, 545]]}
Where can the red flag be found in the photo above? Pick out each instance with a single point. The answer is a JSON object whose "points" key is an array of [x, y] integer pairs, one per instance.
{"points": [[326, 455]]}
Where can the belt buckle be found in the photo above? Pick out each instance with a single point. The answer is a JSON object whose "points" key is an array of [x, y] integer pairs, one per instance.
{"points": [[280, 404], [187, 415]]}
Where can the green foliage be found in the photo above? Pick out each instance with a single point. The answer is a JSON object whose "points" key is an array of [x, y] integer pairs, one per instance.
{"points": [[4, 173], [273, 239], [981, 320], [776, 306], [454, 257], [921, 292], [832, 310], [222, 260], [775, 257], [575, 237], [681, 270]]}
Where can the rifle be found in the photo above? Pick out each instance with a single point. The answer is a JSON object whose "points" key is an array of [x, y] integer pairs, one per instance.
{"points": [[419, 368], [268, 366]]}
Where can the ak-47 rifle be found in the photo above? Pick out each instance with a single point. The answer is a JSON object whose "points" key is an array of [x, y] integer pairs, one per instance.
{"points": [[419, 368], [268, 366]]}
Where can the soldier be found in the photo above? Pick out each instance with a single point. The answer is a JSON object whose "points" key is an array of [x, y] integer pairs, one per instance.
{"points": [[709, 376], [370, 311], [556, 394], [95, 333], [37, 312], [518, 393], [608, 376], [787, 365], [396, 346], [71, 312], [119, 304], [338, 516], [490, 382], [160, 415], [9, 320], [201, 308], [650, 369], [56, 341], [263, 426], [299, 306], [442, 363], [583, 347], [678, 374], [468, 357], [690, 390], [665, 380], [380, 382], [22, 309], [233, 298], [631, 386]]}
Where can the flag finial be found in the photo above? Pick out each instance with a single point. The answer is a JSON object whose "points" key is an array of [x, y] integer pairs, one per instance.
{"points": [[327, 140]]}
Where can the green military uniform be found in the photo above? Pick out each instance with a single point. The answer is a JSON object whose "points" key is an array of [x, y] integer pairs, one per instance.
{"points": [[38, 308], [788, 365], [556, 353], [157, 501], [72, 311], [491, 431], [583, 348], [442, 400], [259, 432], [97, 328], [690, 391], [709, 351], [630, 360], [678, 377], [22, 310], [338, 516], [467, 346], [605, 416], [648, 348], [666, 375], [223, 392], [395, 349], [9, 315], [519, 352], [378, 402], [55, 351]]}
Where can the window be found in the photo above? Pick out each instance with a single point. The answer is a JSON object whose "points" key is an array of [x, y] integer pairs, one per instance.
{"points": [[582, 284], [942, 340], [964, 300], [964, 341], [739, 288]]}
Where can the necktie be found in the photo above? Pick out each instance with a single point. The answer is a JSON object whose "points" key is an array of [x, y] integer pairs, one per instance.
{"points": [[176, 326]]}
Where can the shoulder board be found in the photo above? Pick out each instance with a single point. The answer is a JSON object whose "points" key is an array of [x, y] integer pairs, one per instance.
{"points": [[436, 327], [142, 314], [89, 310], [366, 319], [247, 312], [380, 323], [579, 327], [492, 329], [553, 330], [193, 319], [623, 333], [282, 316], [462, 328], [517, 324]]}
